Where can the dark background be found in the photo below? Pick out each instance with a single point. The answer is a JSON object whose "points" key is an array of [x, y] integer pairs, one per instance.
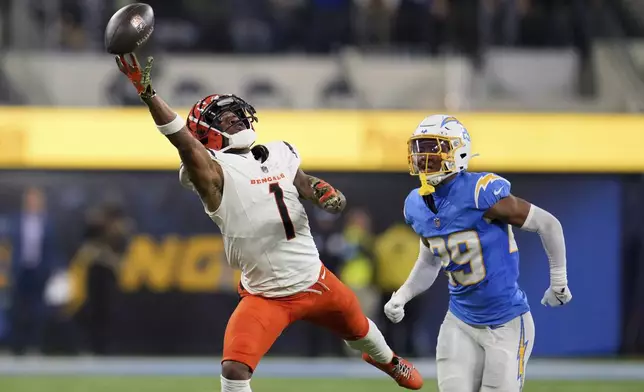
{"points": [[600, 215]]}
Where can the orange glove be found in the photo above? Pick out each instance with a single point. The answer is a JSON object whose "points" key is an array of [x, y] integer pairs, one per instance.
{"points": [[140, 78]]}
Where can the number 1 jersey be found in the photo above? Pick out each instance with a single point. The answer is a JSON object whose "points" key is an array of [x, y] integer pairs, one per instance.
{"points": [[479, 256], [264, 226]]}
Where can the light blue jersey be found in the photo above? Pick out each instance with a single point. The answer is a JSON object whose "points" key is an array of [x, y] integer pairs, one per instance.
{"points": [[480, 256]]}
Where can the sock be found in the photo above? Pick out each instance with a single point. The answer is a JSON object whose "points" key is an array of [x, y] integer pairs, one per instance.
{"points": [[235, 385], [374, 345]]}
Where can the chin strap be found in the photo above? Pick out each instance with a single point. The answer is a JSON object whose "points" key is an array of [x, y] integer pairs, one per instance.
{"points": [[240, 140]]}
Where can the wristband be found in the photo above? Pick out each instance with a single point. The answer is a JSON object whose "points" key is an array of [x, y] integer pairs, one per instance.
{"points": [[173, 126]]}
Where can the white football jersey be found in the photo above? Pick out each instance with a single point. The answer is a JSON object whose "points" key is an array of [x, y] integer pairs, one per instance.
{"points": [[263, 223]]}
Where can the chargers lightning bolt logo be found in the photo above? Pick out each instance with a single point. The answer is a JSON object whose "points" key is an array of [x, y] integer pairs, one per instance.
{"points": [[523, 346], [466, 135]]}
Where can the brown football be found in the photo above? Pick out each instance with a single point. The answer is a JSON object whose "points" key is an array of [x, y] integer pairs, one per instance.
{"points": [[129, 28]]}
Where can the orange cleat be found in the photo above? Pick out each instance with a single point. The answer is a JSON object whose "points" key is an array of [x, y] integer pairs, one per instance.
{"points": [[401, 370]]}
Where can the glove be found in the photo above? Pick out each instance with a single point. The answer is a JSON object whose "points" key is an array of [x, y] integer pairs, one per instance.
{"points": [[395, 309], [330, 198], [139, 78], [558, 296]]}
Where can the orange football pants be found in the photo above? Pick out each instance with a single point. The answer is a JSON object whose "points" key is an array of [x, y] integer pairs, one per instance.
{"points": [[258, 321]]}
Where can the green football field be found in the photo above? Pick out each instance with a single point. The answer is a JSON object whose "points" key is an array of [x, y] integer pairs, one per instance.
{"points": [[192, 384]]}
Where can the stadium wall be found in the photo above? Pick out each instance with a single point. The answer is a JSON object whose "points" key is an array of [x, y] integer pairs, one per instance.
{"points": [[328, 140], [172, 293]]}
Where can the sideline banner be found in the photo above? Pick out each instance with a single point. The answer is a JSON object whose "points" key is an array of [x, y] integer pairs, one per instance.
{"points": [[328, 140]]}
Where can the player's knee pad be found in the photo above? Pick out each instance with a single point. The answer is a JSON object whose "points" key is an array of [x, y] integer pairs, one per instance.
{"points": [[235, 371], [234, 385], [453, 377], [454, 383]]}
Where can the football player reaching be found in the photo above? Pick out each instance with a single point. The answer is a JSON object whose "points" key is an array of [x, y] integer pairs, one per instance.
{"points": [[253, 194]]}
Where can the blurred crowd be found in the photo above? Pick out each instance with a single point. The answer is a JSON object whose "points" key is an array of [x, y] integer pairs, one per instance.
{"points": [[38, 311], [322, 26], [316, 27]]}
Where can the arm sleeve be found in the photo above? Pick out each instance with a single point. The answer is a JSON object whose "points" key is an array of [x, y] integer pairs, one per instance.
{"points": [[549, 229], [422, 275]]}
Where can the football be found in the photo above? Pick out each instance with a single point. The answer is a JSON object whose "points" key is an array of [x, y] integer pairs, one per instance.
{"points": [[129, 28]]}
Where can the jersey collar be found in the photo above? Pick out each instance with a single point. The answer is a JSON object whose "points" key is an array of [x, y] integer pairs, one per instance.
{"points": [[444, 189]]}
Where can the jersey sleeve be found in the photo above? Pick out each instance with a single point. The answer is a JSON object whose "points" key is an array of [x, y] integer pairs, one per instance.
{"points": [[407, 209], [292, 159], [184, 178], [489, 189]]}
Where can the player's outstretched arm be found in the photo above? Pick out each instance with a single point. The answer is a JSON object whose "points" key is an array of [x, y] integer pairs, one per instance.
{"points": [[320, 192], [527, 216], [420, 279], [205, 174]]}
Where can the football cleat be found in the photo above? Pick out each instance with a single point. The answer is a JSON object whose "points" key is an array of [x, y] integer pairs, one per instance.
{"points": [[401, 370]]}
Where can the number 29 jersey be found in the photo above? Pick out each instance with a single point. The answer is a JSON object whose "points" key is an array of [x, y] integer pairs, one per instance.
{"points": [[479, 256], [264, 226]]}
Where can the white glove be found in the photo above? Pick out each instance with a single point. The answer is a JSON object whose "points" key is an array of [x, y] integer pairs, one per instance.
{"points": [[556, 296], [395, 309]]}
